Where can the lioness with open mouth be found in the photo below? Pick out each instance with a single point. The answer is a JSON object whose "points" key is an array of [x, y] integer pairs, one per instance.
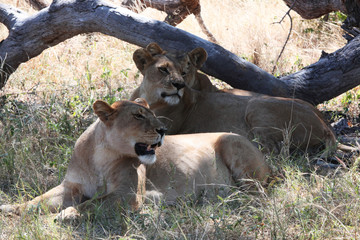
{"points": [[171, 85], [118, 158]]}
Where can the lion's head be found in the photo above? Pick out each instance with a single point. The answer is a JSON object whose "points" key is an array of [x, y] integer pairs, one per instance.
{"points": [[165, 74], [130, 128]]}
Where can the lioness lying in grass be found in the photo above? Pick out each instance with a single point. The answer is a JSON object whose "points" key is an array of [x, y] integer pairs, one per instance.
{"points": [[173, 89], [109, 157]]}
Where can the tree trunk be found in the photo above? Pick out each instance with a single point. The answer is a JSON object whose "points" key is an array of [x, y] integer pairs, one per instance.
{"points": [[30, 35], [310, 9], [176, 10]]}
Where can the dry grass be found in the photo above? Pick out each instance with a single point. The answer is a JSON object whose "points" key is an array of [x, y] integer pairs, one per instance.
{"points": [[48, 105]]}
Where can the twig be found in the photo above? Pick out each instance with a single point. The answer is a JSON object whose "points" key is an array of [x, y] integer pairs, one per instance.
{"points": [[290, 8], [288, 37]]}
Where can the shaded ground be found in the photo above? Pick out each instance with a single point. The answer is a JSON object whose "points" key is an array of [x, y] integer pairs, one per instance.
{"points": [[347, 130]]}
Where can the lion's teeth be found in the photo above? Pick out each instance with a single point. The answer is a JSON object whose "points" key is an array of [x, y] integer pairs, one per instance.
{"points": [[151, 147]]}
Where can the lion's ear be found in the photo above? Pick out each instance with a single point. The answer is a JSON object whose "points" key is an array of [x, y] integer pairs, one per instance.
{"points": [[154, 49], [197, 57], [141, 58], [103, 110], [142, 102]]}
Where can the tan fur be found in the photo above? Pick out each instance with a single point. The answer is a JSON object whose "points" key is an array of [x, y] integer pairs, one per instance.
{"points": [[182, 68], [203, 163], [104, 161], [176, 11], [106, 167], [242, 112]]}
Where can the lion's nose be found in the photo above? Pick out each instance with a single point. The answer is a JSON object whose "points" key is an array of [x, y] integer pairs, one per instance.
{"points": [[161, 131], [178, 85]]}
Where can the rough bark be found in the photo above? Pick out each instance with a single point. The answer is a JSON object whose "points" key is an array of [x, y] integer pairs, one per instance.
{"points": [[30, 35], [353, 12], [310, 9], [332, 75]]}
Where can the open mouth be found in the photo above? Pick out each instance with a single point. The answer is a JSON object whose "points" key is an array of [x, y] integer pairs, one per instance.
{"points": [[142, 149]]}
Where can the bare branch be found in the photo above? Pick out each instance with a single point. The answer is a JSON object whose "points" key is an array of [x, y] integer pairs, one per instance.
{"points": [[331, 76], [287, 39], [9, 16], [310, 9]]}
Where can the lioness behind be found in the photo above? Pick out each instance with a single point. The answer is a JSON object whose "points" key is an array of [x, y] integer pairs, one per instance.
{"points": [[168, 87]]}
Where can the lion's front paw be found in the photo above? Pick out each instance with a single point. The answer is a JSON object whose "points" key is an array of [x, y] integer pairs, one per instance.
{"points": [[9, 209], [68, 216]]}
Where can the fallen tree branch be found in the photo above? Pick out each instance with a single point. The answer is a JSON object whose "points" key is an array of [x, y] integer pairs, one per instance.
{"points": [[310, 9], [30, 35], [332, 75], [9, 16]]}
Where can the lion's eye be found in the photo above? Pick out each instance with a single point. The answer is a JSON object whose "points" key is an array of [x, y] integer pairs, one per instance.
{"points": [[163, 70], [139, 116], [183, 74]]}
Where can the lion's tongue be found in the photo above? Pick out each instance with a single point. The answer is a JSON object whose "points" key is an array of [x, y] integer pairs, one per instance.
{"points": [[144, 149], [151, 147]]}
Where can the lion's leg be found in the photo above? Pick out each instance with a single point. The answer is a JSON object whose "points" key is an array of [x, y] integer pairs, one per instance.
{"points": [[263, 127], [73, 213], [128, 193], [289, 121], [64, 195], [108, 203], [242, 158], [268, 139]]}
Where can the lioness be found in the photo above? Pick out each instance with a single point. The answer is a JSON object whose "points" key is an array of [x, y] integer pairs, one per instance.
{"points": [[168, 87], [109, 157]]}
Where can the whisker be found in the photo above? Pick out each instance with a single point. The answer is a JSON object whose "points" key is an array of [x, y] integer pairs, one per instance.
{"points": [[163, 117]]}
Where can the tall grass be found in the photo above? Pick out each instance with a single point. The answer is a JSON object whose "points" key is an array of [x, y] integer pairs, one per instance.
{"points": [[46, 105]]}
